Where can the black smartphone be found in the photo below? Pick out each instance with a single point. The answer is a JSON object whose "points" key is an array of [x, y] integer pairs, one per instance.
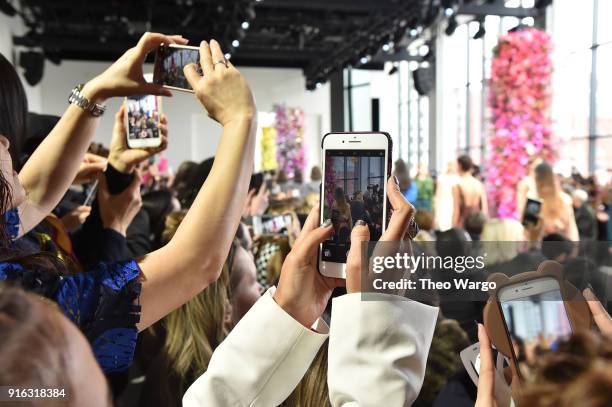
{"points": [[532, 211], [170, 59]]}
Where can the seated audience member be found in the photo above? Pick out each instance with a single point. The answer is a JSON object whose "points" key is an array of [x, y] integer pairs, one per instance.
{"points": [[114, 301], [443, 361], [474, 223], [456, 243], [577, 373], [314, 185], [193, 331], [559, 248], [508, 252], [388, 338], [158, 204], [586, 220], [41, 348]]}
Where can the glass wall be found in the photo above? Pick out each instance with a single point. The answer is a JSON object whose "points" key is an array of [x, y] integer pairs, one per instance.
{"points": [[403, 112]]}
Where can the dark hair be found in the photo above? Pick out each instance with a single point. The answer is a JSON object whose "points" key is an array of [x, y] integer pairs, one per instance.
{"points": [[13, 108], [315, 173], [194, 181], [474, 223], [158, 205], [465, 163], [297, 177], [424, 220], [33, 345], [402, 174], [555, 245]]}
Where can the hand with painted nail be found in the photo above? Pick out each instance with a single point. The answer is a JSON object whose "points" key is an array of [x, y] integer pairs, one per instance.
{"points": [[125, 76], [125, 159], [222, 90], [600, 315], [401, 227], [302, 291], [486, 376]]}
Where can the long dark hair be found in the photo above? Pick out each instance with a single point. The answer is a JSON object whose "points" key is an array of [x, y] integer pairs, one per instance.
{"points": [[13, 108], [13, 126]]}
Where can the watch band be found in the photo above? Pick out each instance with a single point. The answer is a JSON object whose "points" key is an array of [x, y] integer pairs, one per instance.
{"points": [[77, 98]]}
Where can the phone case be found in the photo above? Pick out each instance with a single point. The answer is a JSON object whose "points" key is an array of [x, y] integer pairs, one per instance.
{"points": [[577, 311]]}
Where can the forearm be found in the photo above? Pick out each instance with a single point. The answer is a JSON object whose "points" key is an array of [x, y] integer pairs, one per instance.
{"points": [[53, 166], [212, 221], [195, 255]]}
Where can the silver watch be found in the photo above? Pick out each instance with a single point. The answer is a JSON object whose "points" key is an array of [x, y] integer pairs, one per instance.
{"points": [[76, 98]]}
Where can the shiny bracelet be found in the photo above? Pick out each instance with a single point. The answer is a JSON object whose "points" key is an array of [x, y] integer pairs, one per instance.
{"points": [[77, 98]]}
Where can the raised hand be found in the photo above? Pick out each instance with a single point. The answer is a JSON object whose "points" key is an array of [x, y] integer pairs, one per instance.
{"points": [[223, 91], [90, 168], [126, 159], [302, 291], [125, 76]]}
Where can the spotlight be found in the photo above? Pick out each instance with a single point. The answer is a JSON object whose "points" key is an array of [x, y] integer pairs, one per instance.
{"points": [[33, 64], [423, 50], [449, 12], [528, 21], [245, 25], [413, 66], [364, 60], [413, 32], [235, 43], [386, 47], [452, 26], [228, 56], [481, 30], [7, 8], [318, 85]]}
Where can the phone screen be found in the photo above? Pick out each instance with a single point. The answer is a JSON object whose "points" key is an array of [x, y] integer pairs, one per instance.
{"points": [[143, 117], [534, 313], [532, 211], [173, 59], [272, 225], [353, 189]]}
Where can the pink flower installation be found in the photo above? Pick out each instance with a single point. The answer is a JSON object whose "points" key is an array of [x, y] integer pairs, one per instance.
{"points": [[289, 125], [519, 99]]}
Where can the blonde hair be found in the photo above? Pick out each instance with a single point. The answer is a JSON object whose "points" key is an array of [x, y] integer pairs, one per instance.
{"points": [[312, 390], [500, 240], [195, 329]]}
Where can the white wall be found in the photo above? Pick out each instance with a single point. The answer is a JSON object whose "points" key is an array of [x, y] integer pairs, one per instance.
{"points": [[193, 135]]}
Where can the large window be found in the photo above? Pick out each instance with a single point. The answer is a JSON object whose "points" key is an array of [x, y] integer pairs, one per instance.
{"points": [[582, 91]]}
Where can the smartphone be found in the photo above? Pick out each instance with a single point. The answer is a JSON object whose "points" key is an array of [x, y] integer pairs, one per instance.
{"points": [[91, 195], [142, 119], [532, 211], [170, 59], [271, 224], [356, 168], [534, 311]]}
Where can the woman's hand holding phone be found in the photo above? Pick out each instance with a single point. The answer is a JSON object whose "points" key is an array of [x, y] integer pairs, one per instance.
{"points": [[223, 91], [302, 291], [125, 159], [400, 224], [125, 76]]}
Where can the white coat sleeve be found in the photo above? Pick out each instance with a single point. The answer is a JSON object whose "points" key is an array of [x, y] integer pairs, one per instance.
{"points": [[260, 362], [378, 350]]}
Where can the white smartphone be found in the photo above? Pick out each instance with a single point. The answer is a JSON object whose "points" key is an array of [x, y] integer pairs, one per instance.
{"points": [[170, 60], [142, 119], [534, 312], [356, 168]]}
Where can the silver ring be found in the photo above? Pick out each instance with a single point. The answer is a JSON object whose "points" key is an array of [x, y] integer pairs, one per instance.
{"points": [[221, 61]]}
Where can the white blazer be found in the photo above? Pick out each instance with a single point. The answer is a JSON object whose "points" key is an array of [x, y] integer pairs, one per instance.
{"points": [[377, 354]]}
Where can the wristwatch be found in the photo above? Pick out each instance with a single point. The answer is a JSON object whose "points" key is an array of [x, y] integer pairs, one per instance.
{"points": [[76, 98]]}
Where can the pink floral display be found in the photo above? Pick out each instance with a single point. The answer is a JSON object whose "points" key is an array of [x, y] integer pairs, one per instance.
{"points": [[519, 99], [289, 125]]}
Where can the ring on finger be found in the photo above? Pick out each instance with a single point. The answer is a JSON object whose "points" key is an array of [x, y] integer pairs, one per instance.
{"points": [[221, 61]]}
